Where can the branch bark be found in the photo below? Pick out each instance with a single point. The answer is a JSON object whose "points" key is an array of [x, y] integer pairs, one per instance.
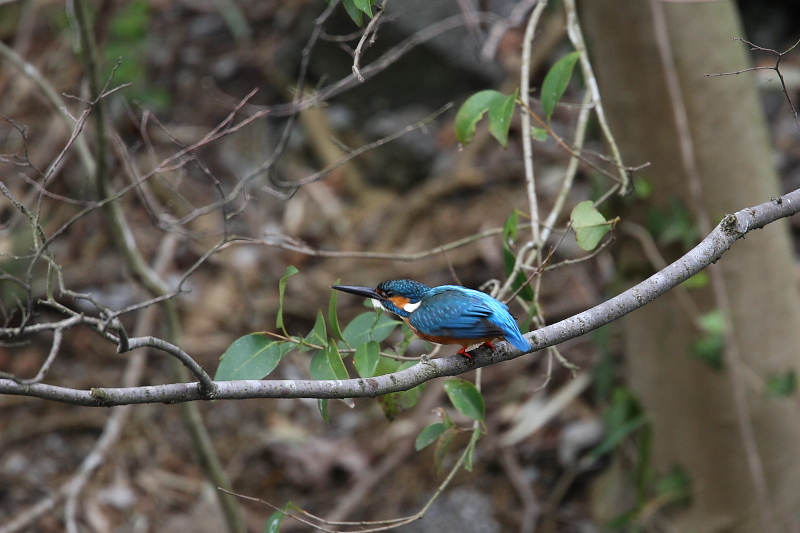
{"points": [[732, 228]]}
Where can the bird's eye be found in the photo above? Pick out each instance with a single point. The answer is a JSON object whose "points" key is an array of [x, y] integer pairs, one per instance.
{"points": [[388, 294]]}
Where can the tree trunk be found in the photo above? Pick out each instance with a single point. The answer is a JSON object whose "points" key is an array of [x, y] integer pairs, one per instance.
{"points": [[692, 406]]}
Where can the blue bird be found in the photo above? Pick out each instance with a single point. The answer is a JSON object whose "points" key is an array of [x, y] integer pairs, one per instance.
{"points": [[448, 314]]}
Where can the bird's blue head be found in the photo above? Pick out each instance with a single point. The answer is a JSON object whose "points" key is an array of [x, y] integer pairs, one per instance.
{"points": [[399, 296]]}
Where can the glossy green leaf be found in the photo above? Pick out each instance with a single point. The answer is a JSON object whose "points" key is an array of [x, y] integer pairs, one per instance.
{"points": [[500, 108], [369, 326], [556, 81], [466, 398], [333, 315], [539, 134], [473, 442], [511, 226], [442, 448], [366, 359], [471, 112], [397, 402], [501, 111], [290, 271], [274, 522], [428, 435], [327, 364], [323, 404], [510, 230], [319, 335], [508, 262], [336, 362], [364, 6], [355, 14], [386, 365], [253, 356], [589, 225]]}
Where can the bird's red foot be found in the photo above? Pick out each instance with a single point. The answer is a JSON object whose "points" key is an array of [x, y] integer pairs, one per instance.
{"points": [[463, 350]]}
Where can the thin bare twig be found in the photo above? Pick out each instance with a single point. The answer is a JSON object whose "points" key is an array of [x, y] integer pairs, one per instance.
{"points": [[776, 68], [370, 34]]}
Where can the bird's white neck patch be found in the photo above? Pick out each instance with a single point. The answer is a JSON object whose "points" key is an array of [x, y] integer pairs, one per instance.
{"points": [[411, 307], [377, 304]]}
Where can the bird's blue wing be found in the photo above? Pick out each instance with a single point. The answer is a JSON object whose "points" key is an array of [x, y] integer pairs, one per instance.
{"points": [[452, 311]]}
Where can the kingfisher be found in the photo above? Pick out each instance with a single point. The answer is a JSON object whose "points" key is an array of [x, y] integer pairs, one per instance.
{"points": [[448, 314]]}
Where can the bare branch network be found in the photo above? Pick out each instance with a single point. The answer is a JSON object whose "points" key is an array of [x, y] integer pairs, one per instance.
{"points": [[732, 228]]}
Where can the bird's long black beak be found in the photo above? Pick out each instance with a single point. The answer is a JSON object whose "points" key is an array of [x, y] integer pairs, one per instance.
{"points": [[366, 292]]}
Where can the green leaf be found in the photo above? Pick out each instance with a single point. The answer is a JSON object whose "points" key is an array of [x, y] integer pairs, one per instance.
{"points": [[623, 417], [783, 385], [290, 271], [710, 345], [589, 225], [473, 441], [698, 281], [396, 402], [253, 356], [466, 398], [386, 365], [675, 487], [510, 230], [674, 224], [333, 315], [356, 14], [500, 108], [642, 188], [428, 435], [511, 226], [509, 259], [337, 364], [556, 81], [327, 364], [364, 6], [318, 336], [539, 134], [369, 326], [501, 111], [274, 522], [366, 359], [442, 447], [323, 403]]}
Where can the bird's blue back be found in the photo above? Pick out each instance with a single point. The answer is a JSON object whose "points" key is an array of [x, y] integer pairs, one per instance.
{"points": [[461, 313]]}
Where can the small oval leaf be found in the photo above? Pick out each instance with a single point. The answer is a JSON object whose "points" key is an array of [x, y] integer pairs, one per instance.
{"points": [[253, 356], [366, 359], [291, 270], [367, 327], [556, 81], [466, 398], [589, 225], [274, 522], [428, 435], [501, 111], [471, 112], [317, 336]]}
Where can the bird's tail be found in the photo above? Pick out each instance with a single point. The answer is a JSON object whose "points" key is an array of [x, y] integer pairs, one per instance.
{"points": [[518, 341]]}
